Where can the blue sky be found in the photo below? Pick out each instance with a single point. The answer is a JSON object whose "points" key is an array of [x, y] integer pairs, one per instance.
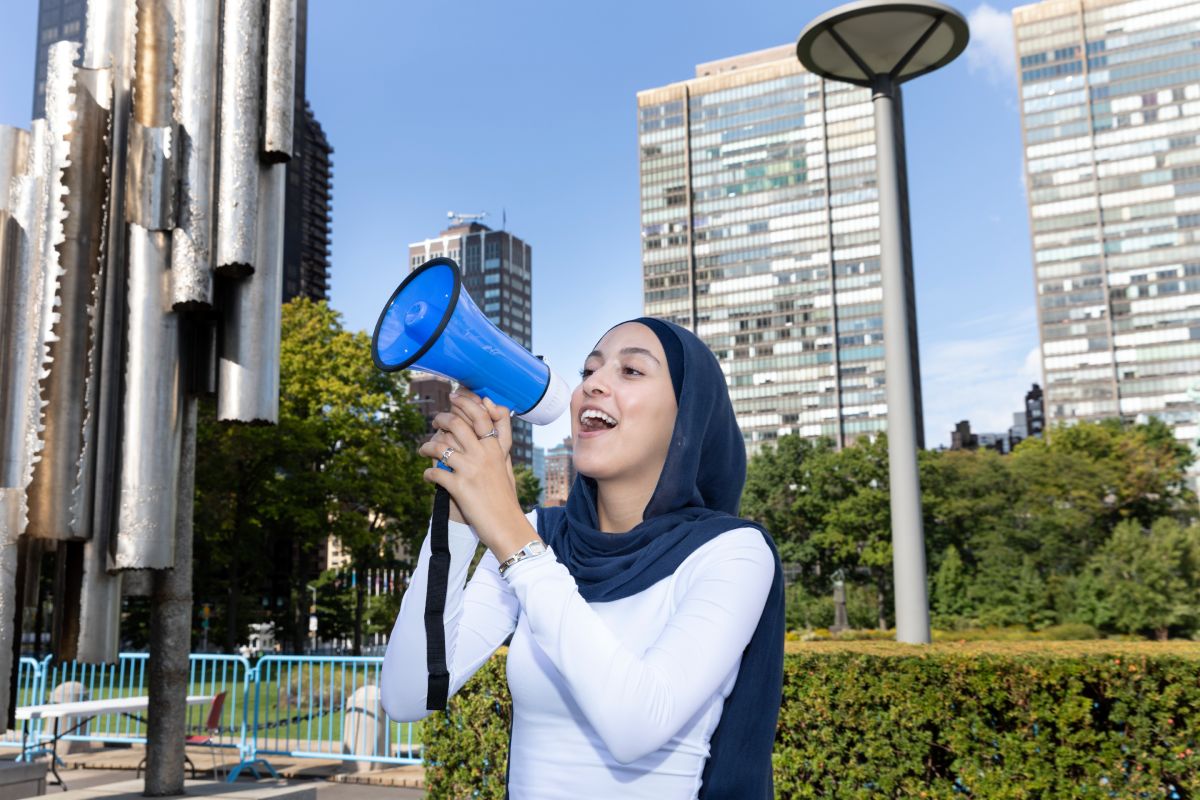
{"points": [[530, 109]]}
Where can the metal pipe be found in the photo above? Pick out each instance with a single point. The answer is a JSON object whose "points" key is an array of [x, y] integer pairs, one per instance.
{"points": [[14, 158], [150, 188], [99, 637], [904, 483], [154, 73], [19, 432], [77, 103], [197, 60], [14, 153], [152, 412], [150, 183], [110, 41], [241, 91], [279, 90], [248, 383]]}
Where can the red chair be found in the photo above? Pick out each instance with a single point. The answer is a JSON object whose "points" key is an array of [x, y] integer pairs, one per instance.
{"points": [[212, 728]]}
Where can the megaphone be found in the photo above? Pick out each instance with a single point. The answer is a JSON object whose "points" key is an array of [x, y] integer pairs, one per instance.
{"points": [[431, 324]]}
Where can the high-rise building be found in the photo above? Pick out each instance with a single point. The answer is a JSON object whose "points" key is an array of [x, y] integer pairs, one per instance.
{"points": [[560, 473], [308, 203], [1110, 109], [497, 270], [760, 232]]}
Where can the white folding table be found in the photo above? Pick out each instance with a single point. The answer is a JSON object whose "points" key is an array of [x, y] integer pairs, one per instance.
{"points": [[87, 709]]}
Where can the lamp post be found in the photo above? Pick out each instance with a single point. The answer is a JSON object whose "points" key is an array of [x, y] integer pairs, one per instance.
{"points": [[880, 45]]}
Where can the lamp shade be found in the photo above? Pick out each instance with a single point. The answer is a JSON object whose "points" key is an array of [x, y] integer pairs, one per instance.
{"points": [[859, 42]]}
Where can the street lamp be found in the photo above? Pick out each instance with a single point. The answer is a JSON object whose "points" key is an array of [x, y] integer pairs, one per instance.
{"points": [[881, 45]]}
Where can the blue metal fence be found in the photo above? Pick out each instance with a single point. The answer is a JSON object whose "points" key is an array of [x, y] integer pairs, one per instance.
{"points": [[299, 706]]}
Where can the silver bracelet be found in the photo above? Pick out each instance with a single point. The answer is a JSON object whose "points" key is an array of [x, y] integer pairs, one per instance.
{"points": [[535, 548]]}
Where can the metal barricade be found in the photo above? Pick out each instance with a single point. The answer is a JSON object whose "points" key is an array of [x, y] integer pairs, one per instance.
{"points": [[31, 675], [301, 706], [210, 674], [326, 707]]}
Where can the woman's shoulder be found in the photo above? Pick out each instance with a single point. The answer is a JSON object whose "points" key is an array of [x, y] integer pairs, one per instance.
{"points": [[743, 550]]}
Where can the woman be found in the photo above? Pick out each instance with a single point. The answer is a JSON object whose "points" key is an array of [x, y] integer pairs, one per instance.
{"points": [[647, 638]]}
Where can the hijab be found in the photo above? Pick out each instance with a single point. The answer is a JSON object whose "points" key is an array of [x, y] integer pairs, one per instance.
{"points": [[696, 499]]}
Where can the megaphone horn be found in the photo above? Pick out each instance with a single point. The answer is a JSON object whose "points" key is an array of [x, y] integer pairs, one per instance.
{"points": [[431, 324]]}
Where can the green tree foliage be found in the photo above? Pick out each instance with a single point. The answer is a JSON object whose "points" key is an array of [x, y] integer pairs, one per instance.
{"points": [[1009, 538], [1144, 579], [341, 462], [529, 488]]}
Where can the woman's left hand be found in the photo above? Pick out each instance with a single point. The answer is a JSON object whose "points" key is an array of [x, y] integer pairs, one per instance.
{"points": [[480, 484]]}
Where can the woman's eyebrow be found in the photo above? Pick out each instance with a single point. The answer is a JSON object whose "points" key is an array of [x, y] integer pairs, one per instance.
{"points": [[627, 351], [639, 351]]}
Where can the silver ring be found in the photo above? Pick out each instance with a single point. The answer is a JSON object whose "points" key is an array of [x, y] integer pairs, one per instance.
{"points": [[494, 432], [446, 454]]}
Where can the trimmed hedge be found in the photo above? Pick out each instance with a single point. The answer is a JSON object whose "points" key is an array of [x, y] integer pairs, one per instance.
{"points": [[879, 719]]}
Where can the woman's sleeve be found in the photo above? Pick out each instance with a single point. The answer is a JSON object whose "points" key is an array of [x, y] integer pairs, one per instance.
{"points": [[638, 701], [477, 619]]}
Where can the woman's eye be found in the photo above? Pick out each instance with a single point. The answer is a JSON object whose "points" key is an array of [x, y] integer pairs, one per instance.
{"points": [[631, 371], [583, 373]]}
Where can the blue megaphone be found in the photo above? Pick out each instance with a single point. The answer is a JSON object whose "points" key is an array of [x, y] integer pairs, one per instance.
{"points": [[431, 324]]}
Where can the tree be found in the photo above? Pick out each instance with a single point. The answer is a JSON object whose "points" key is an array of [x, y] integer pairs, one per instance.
{"points": [[341, 462], [951, 605], [1144, 579], [776, 479], [529, 488]]}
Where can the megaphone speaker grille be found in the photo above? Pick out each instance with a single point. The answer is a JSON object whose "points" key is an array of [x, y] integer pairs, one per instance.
{"points": [[416, 315]]}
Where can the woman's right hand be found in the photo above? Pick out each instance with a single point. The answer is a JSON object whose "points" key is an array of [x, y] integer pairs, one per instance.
{"points": [[500, 420], [445, 439]]}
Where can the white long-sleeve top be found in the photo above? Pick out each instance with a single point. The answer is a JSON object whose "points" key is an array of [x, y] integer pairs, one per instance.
{"points": [[610, 700]]}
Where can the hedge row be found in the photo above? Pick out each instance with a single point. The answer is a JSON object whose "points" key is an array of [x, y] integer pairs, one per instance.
{"points": [[877, 719]]}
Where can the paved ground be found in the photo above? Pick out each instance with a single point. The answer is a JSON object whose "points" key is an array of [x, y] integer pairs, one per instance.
{"points": [[82, 779], [332, 780]]}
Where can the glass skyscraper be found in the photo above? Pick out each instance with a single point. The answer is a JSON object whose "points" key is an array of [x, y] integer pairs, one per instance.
{"points": [[760, 232], [1110, 104]]}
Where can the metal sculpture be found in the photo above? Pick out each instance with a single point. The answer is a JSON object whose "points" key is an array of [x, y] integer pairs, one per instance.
{"points": [[113, 224]]}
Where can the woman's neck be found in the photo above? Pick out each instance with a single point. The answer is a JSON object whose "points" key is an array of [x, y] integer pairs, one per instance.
{"points": [[620, 507]]}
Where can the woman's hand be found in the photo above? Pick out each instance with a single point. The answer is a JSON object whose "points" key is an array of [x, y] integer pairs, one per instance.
{"points": [[482, 485]]}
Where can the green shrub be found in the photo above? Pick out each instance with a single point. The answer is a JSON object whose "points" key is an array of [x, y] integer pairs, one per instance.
{"points": [[466, 747], [872, 719]]}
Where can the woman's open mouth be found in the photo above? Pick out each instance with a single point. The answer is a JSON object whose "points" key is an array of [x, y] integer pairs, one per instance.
{"points": [[593, 421]]}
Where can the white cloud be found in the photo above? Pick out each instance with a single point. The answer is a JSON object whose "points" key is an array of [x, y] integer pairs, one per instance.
{"points": [[981, 376], [991, 50]]}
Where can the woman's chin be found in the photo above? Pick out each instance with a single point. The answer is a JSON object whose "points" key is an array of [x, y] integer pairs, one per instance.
{"points": [[589, 466]]}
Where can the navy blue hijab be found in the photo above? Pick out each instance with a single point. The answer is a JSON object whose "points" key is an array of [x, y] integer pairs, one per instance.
{"points": [[696, 499]]}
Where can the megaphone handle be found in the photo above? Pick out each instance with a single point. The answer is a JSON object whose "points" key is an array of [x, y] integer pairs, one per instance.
{"points": [[435, 602]]}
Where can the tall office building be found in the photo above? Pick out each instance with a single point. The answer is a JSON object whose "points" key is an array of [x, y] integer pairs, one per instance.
{"points": [[760, 232], [497, 270], [1110, 106], [308, 203]]}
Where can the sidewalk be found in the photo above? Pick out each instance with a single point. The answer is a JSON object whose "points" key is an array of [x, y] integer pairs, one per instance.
{"points": [[333, 779], [118, 785]]}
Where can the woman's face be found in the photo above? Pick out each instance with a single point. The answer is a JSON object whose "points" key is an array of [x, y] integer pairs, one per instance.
{"points": [[623, 412]]}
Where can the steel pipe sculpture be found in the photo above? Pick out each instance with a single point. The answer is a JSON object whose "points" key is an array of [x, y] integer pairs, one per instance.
{"points": [[241, 96], [112, 225], [279, 100], [197, 59]]}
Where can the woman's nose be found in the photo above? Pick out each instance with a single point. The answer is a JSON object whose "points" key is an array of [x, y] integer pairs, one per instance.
{"points": [[593, 384]]}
